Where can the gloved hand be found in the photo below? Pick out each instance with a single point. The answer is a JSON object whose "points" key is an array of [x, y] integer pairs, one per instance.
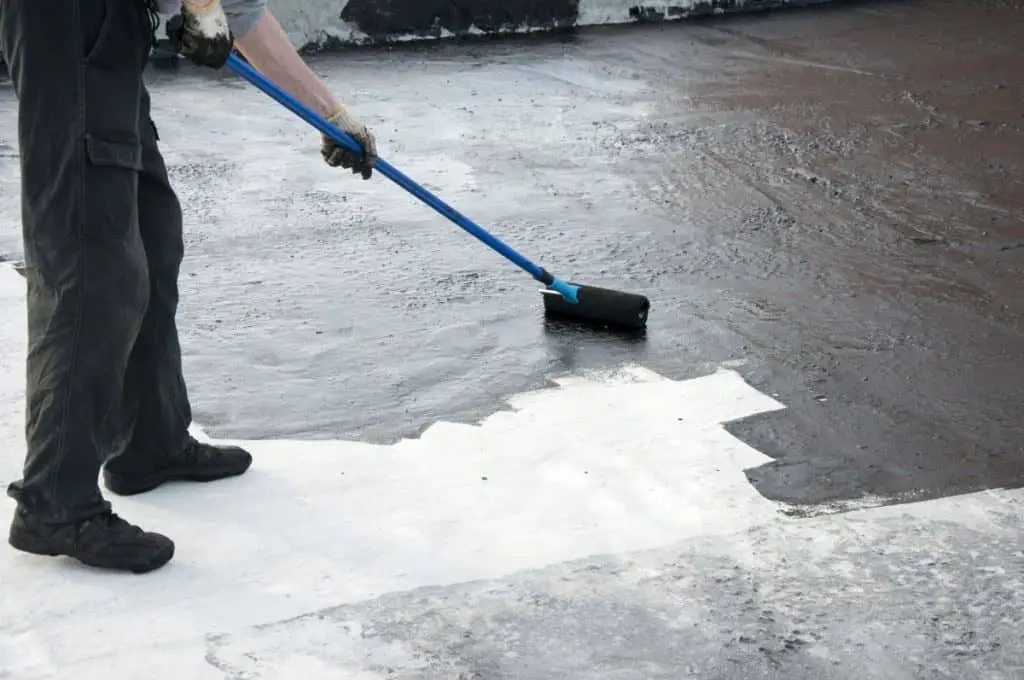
{"points": [[335, 154], [202, 34]]}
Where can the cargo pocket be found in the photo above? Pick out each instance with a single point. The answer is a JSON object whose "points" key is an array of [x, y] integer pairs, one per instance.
{"points": [[104, 152], [111, 184]]}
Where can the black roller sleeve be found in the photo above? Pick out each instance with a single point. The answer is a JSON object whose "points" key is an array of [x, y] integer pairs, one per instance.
{"points": [[600, 305]]}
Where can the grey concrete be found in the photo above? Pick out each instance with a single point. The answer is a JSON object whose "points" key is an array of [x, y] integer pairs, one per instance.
{"points": [[929, 594]]}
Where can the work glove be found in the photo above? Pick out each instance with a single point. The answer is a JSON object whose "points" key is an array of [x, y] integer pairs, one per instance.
{"points": [[201, 33], [335, 154]]}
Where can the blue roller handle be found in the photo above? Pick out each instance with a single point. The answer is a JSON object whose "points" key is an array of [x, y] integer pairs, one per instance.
{"points": [[567, 290]]}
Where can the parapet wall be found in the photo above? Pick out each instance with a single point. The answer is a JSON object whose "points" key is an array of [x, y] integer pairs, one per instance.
{"points": [[321, 24], [315, 25]]}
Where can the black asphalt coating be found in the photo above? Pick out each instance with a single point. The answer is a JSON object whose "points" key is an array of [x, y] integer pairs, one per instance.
{"points": [[829, 200]]}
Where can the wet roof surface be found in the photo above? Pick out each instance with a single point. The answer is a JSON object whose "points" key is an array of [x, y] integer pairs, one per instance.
{"points": [[829, 201]]}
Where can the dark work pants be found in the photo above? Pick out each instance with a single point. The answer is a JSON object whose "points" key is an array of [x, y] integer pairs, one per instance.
{"points": [[102, 233]]}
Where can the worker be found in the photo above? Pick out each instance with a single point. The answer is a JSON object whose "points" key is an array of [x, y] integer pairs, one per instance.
{"points": [[102, 232]]}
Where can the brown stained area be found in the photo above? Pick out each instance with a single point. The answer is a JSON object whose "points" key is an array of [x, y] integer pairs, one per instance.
{"points": [[888, 142]]}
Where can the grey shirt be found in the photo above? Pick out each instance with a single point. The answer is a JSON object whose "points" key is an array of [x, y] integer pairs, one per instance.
{"points": [[241, 14]]}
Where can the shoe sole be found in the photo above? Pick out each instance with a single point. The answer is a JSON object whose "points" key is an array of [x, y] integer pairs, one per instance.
{"points": [[145, 483], [33, 546]]}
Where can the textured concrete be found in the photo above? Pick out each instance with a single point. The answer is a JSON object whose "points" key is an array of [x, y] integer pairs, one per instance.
{"points": [[873, 596]]}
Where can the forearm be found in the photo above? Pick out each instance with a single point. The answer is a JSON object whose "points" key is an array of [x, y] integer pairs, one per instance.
{"points": [[266, 46]]}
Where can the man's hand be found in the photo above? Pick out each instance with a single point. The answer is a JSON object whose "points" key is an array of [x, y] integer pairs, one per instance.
{"points": [[202, 34], [336, 154]]}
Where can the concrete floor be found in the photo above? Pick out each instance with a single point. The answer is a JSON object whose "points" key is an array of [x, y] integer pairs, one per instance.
{"points": [[827, 200]]}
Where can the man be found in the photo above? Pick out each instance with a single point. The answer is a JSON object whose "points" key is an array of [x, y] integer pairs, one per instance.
{"points": [[102, 232]]}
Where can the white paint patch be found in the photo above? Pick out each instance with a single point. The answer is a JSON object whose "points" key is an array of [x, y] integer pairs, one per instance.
{"points": [[316, 22], [598, 12], [12, 363], [600, 464]]}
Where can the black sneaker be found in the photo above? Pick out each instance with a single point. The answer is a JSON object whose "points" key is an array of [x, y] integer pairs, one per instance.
{"points": [[104, 540], [197, 462]]}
